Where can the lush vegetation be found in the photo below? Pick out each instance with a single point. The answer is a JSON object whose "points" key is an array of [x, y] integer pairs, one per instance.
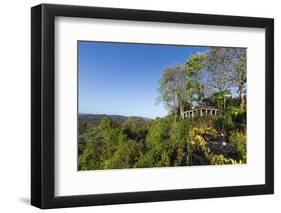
{"points": [[216, 78]]}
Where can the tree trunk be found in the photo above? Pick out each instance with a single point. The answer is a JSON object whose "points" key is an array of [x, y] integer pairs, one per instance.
{"points": [[175, 105], [242, 99], [181, 109], [175, 112]]}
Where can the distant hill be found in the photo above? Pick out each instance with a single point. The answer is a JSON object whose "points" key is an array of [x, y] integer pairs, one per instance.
{"points": [[97, 117]]}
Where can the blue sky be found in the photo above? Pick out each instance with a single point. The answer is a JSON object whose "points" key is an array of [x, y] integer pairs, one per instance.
{"points": [[122, 78]]}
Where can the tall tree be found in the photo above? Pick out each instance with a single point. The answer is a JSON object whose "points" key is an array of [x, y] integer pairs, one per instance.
{"points": [[181, 85], [194, 87], [219, 73], [171, 84], [239, 65]]}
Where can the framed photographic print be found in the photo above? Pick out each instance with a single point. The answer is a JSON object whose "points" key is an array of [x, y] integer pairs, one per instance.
{"points": [[139, 106]]}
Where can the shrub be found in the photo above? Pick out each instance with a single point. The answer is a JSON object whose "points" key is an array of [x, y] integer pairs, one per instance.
{"points": [[135, 128], [206, 121], [221, 160], [224, 122], [238, 139], [125, 156], [200, 152]]}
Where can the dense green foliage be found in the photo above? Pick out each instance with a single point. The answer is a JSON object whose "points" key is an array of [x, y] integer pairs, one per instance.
{"points": [[216, 78], [140, 143]]}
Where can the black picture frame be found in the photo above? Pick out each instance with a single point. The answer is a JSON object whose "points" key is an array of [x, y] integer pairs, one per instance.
{"points": [[43, 114]]}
